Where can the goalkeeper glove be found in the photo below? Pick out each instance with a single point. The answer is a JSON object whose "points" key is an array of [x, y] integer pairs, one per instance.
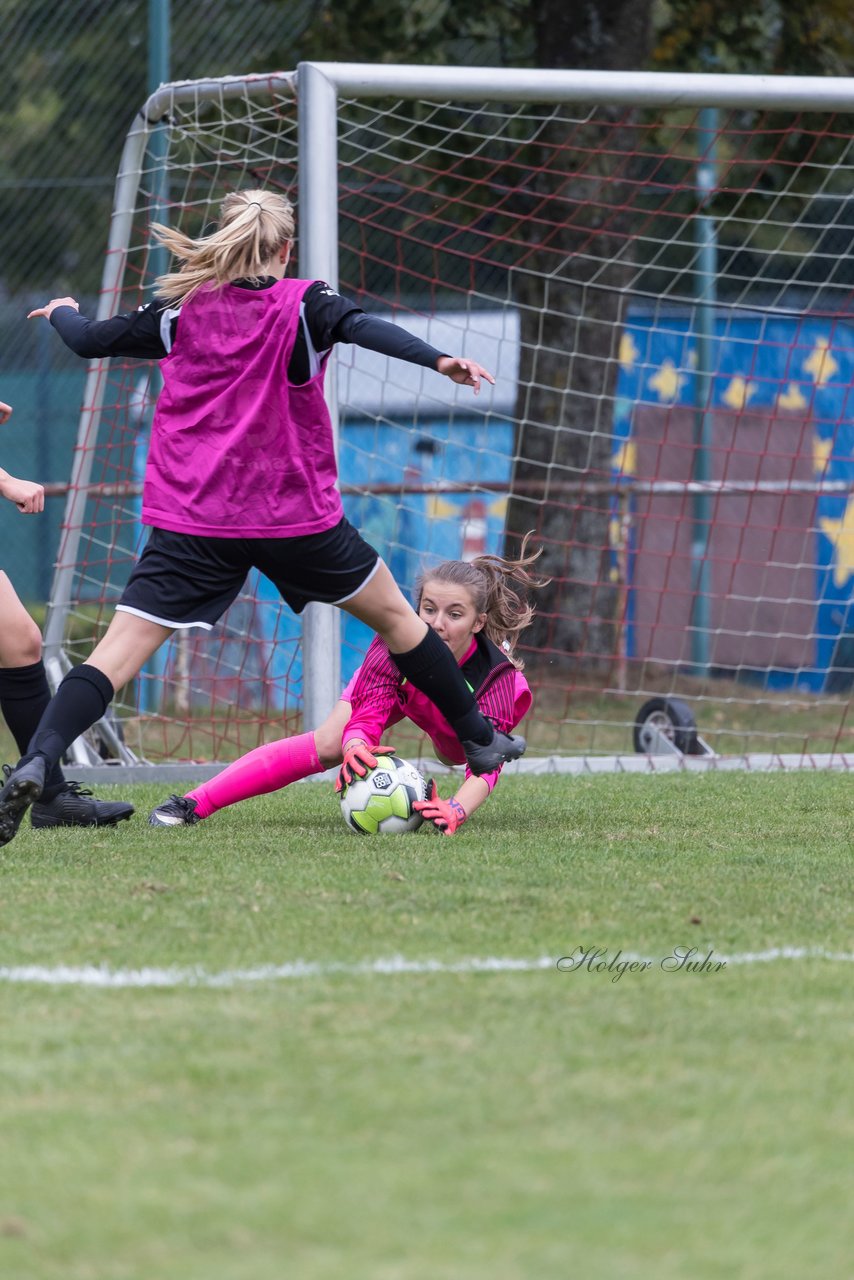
{"points": [[447, 816], [357, 761]]}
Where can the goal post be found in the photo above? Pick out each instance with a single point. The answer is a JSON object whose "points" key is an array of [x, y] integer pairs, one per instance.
{"points": [[681, 451], [318, 256]]}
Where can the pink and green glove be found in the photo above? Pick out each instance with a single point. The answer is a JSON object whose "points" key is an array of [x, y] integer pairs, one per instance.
{"points": [[357, 761], [447, 816]]}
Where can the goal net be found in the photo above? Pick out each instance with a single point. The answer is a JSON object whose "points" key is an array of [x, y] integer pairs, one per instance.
{"points": [[663, 293]]}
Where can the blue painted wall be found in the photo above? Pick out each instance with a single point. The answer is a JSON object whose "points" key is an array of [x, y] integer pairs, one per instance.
{"points": [[801, 368]]}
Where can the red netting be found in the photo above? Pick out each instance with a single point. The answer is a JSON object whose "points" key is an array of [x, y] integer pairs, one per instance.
{"points": [[665, 300]]}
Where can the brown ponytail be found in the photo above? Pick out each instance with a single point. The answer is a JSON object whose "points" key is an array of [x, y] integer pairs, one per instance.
{"points": [[488, 581]]}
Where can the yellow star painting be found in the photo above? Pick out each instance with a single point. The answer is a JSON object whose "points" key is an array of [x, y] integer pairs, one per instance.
{"points": [[667, 382], [739, 393], [792, 398], [821, 365], [625, 459], [439, 508], [841, 534], [628, 352]]}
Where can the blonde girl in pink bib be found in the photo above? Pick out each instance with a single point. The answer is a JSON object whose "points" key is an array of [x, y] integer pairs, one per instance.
{"points": [[242, 474]]}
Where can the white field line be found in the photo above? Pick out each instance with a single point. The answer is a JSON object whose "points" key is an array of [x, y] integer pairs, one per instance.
{"points": [[104, 976]]}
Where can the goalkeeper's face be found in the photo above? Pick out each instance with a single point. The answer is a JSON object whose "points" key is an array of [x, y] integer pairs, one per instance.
{"points": [[448, 608]]}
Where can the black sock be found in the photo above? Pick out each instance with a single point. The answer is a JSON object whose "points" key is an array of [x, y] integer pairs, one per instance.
{"points": [[80, 700], [24, 695], [433, 669]]}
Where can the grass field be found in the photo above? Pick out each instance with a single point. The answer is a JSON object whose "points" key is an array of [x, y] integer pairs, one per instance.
{"points": [[211, 1111]]}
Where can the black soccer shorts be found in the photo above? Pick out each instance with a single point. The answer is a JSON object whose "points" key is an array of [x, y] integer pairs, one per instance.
{"points": [[182, 580]]}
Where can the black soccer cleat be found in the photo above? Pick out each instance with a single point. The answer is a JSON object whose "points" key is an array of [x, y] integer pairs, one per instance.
{"points": [[23, 786], [485, 757], [177, 811], [75, 806]]}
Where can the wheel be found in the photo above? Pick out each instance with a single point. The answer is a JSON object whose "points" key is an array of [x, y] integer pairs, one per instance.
{"points": [[671, 717]]}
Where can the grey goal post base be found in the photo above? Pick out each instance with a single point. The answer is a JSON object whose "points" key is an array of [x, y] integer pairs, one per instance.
{"points": [[317, 87], [176, 777]]}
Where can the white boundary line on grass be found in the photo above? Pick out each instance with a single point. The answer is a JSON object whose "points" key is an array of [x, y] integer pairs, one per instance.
{"points": [[105, 977]]}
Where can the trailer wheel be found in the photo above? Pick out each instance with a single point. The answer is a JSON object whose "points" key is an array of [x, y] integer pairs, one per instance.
{"points": [[671, 717]]}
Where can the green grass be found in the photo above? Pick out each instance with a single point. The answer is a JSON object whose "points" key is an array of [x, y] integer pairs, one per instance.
{"points": [[439, 1126]]}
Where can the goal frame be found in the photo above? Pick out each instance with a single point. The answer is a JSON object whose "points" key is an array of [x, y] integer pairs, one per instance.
{"points": [[317, 87]]}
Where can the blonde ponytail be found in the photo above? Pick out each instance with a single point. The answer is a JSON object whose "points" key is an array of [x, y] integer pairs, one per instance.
{"points": [[253, 228]]}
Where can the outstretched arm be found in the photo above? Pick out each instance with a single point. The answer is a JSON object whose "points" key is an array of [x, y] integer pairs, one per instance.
{"points": [[468, 373], [372, 695], [27, 496], [505, 703], [136, 334], [391, 340], [49, 307], [448, 816]]}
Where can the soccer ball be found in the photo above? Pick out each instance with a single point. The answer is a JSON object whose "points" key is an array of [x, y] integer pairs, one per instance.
{"points": [[382, 801]]}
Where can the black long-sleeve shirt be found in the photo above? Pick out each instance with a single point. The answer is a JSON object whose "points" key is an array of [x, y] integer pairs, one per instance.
{"points": [[327, 318]]}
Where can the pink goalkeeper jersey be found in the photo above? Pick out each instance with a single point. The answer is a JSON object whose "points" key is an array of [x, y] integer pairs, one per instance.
{"points": [[238, 451], [380, 698]]}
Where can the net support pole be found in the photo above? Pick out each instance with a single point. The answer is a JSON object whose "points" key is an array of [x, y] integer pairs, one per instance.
{"points": [[150, 680], [159, 49], [705, 287], [56, 661], [317, 133]]}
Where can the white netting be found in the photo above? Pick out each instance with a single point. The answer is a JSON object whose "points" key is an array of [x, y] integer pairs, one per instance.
{"points": [[665, 300]]}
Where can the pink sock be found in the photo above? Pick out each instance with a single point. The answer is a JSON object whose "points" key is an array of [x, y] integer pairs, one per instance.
{"points": [[265, 769]]}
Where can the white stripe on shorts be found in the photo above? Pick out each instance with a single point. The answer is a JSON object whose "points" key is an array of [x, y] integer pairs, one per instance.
{"points": [[361, 585], [163, 622]]}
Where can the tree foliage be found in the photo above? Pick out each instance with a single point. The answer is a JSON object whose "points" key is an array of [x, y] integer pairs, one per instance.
{"points": [[770, 37], [74, 75]]}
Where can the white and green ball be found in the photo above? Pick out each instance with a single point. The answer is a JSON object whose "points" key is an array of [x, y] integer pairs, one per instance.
{"points": [[382, 802]]}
